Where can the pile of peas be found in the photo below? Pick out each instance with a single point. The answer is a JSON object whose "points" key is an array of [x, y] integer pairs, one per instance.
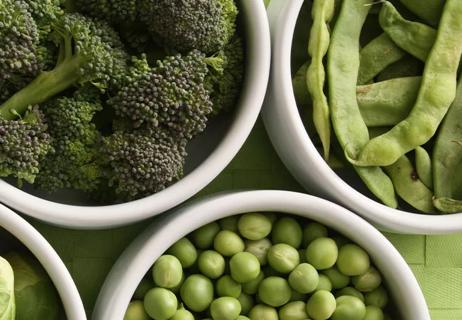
{"points": [[261, 267]]}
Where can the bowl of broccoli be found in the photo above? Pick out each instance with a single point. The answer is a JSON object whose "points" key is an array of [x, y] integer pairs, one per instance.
{"points": [[115, 111], [35, 283]]}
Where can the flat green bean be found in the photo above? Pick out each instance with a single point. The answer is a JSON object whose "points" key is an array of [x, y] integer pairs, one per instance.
{"points": [[343, 68], [429, 10], [448, 205], [436, 94], [322, 12], [423, 166], [414, 37], [376, 56], [406, 67], [408, 185], [388, 102]]}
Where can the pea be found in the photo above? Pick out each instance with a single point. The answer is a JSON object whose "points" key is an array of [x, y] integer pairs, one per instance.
{"points": [[229, 223], [259, 248], [274, 291], [254, 226], [228, 243], [182, 314], [242, 318], [374, 313], [349, 308], [293, 311], [251, 287], [338, 279], [304, 278], [352, 260], [225, 308], [184, 251], [367, 281], [203, 237], [246, 302], [263, 312], [377, 298], [244, 267], [197, 292], [287, 230], [167, 272], [350, 291], [227, 287], [283, 258], [211, 264], [313, 231], [322, 253], [160, 303], [324, 283], [135, 311], [321, 305]]}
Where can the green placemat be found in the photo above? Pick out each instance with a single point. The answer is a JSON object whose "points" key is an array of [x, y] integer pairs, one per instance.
{"points": [[436, 260]]}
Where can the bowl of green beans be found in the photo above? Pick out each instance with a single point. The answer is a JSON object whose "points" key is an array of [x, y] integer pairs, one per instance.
{"points": [[364, 107], [272, 255]]}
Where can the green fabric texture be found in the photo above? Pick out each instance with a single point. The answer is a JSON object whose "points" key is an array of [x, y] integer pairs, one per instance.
{"points": [[435, 260]]}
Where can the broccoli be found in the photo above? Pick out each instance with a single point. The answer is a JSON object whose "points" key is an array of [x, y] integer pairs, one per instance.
{"points": [[110, 10], [74, 161], [90, 52], [183, 25]]}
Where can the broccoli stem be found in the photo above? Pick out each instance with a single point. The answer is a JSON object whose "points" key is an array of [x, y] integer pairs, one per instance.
{"points": [[43, 87]]}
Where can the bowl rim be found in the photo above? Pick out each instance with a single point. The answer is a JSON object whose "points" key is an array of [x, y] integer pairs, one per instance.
{"points": [[110, 216], [138, 258], [49, 259], [293, 144]]}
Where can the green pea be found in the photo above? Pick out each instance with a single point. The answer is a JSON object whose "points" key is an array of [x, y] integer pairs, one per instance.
{"points": [[203, 237], [135, 311], [263, 312], [287, 230], [244, 267], [324, 283], [283, 258], [254, 226], [373, 313], [225, 308], [227, 287], [304, 278], [197, 292], [211, 264], [160, 303], [313, 231], [242, 318], [377, 297], [349, 308], [338, 279], [295, 310], [184, 251], [246, 302], [352, 260], [228, 243], [259, 248], [145, 285], [367, 281], [182, 314], [229, 223], [350, 291], [251, 287], [321, 305], [274, 291], [322, 253], [167, 272]]}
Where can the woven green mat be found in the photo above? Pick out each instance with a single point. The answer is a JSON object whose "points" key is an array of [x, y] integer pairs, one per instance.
{"points": [[436, 260]]}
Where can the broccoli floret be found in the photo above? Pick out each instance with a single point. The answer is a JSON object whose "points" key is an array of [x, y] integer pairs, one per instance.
{"points": [[23, 144], [74, 162], [171, 96], [113, 11], [90, 52], [206, 25], [142, 162]]}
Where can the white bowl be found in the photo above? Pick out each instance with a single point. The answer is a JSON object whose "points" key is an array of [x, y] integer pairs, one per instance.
{"points": [[138, 258], [290, 139], [47, 256], [209, 154]]}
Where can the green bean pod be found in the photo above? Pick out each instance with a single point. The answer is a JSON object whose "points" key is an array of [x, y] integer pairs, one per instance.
{"points": [[448, 205], [423, 166], [322, 12], [343, 68], [414, 37], [408, 185], [376, 56], [429, 10], [388, 102], [436, 94]]}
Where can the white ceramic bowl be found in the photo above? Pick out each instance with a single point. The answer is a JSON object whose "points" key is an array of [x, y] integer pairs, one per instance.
{"points": [[138, 258], [209, 153], [294, 146], [47, 256]]}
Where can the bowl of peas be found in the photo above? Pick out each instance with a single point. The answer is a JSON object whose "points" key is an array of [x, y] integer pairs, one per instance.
{"points": [[261, 255], [364, 103]]}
